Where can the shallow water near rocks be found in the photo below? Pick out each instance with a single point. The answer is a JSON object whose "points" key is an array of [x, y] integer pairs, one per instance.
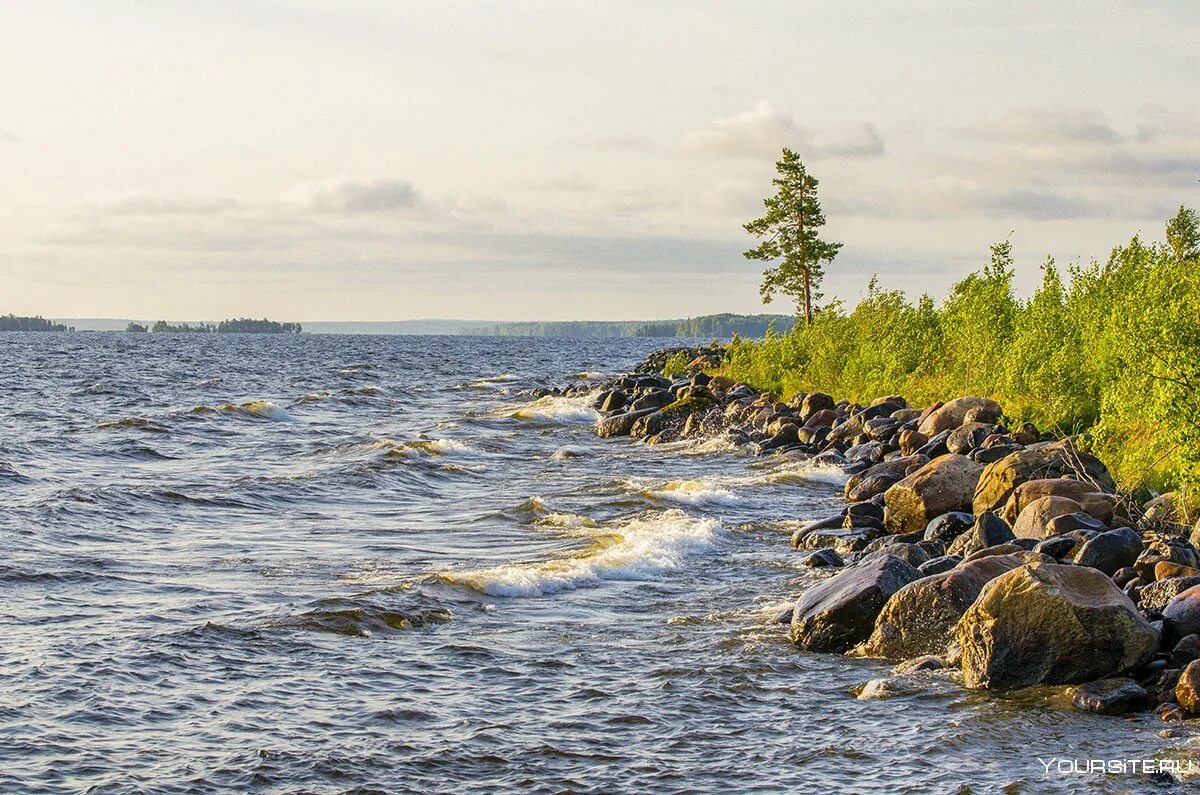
{"points": [[365, 564]]}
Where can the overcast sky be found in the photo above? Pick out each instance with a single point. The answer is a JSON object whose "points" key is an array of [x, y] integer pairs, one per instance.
{"points": [[553, 160]]}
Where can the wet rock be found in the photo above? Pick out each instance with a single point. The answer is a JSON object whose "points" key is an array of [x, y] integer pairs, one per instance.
{"points": [[921, 617], [823, 558], [952, 414], [843, 540], [939, 565], [1054, 460], [936, 446], [620, 424], [999, 549], [1110, 551], [1058, 547], [926, 662], [1046, 623], [1187, 689], [611, 400], [913, 554], [888, 687], [840, 612], [671, 416], [1111, 697], [1095, 503], [887, 471], [652, 400], [988, 530], [943, 485], [948, 526]]}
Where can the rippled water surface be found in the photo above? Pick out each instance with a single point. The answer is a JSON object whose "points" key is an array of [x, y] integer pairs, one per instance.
{"points": [[365, 564]]}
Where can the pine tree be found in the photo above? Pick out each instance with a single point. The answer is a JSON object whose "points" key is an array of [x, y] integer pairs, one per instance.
{"points": [[790, 230]]}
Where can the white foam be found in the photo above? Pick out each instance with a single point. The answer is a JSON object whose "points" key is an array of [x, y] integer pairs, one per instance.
{"points": [[569, 451], [807, 472], [641, 549], [562, 410], [689, 492], [416, 448], [267, 410]]}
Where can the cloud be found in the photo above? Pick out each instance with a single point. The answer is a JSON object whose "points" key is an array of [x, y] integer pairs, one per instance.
{"points": [[567, 183], [164, 205], [342, 194], [1045, 127], [10, 137], [610, 141], [1037, 205], [763, 131]]}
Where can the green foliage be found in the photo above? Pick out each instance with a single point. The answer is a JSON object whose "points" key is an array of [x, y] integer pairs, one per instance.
{"points": [[676, 365], [789, 231], [1112, 350]]}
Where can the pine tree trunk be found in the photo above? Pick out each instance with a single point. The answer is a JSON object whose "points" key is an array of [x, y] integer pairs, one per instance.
{"points": [[807, 299]]}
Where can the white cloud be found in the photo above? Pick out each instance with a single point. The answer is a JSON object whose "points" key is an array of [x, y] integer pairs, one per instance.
{"points": [[763, 131], [343, 194], [10, 137], [141, 204]]}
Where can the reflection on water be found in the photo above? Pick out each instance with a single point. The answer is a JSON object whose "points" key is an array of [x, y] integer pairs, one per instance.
{"points": [[357, 564]]}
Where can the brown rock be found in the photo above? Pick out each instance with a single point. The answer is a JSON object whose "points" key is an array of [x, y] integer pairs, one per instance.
{"points": [[943, 485], [1054, 460], [1165, 569], [1046, 623], [1032, 521], [1187, 689], [951, 415]]}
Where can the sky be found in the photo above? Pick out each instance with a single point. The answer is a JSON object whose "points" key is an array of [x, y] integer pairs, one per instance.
{"points": [[526, 159]]}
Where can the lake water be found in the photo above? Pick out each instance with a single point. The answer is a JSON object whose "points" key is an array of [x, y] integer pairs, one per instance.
{"points": [[328, 564]]}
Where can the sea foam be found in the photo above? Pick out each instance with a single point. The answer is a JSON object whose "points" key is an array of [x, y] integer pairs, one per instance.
{"points": [[648, 548]]}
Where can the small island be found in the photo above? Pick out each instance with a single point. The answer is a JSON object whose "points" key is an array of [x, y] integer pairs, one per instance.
{"points": [[234, 326], [35, 323]]}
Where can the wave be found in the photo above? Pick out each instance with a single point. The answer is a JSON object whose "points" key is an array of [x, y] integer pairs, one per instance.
{"points": [[804, 472], [586, 375], [262, 409], [341, 394], [641, 549], [412, 449], [140, 423], [556, 409], [569, 451], [688, 492]]}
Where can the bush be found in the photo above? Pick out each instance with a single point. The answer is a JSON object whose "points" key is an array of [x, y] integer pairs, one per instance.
{"points": [[1113, 350]]}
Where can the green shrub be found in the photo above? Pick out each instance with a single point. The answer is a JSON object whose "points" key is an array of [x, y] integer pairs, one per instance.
{"points": [[1113, 350]]}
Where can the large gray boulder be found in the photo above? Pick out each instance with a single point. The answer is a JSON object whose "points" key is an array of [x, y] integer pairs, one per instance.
{"points": [[1046, 623], [840, 612]]}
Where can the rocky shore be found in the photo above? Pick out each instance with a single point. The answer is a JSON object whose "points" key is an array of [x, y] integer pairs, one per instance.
{"points": [[1001, 553]]}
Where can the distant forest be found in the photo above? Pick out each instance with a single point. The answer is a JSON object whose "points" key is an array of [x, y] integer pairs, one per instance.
{"points": [[36, 323], [703, 327], [239, 326]]}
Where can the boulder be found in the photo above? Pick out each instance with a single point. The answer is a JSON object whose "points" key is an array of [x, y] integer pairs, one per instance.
{"points": [[1058, 547], [620, 424], [1111, 697], [948, 526], [1164, 548], [1110, 551], [823, 559], [1046, 623], [1101, 505], [1187, 689], [939, 564], [815, 402], [1032, 521], [987, 531], [1181, 616], [1001, 478], [893, 470], [840, 612], [671, 416], [910, 441], [968, 436], [1155, 596], [951, 415], [921, 617], [944, 484]]}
